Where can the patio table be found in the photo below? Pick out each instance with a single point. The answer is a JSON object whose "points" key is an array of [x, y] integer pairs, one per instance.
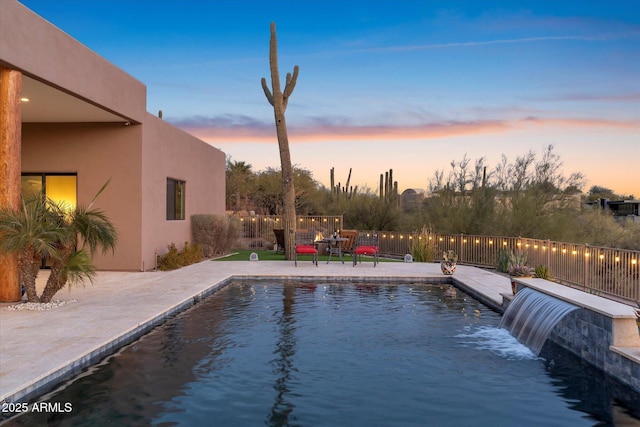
{"points": [[335, 246]]}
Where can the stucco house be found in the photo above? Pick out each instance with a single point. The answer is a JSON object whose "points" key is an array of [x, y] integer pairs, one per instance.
{"points": [[82, 121]]}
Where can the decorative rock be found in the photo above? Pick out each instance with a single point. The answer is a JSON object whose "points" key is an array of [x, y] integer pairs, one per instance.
{"points": [[35, 306]]}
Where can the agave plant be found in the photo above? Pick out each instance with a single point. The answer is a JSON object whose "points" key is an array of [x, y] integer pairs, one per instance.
{"points": [[542, 272], [502, 264], [519, 264]]}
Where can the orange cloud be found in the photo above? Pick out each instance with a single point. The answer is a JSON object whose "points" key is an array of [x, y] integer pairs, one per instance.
{"points": [[327, 133], [228, 130]]}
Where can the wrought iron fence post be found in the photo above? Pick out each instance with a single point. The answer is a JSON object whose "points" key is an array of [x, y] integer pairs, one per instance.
{"points": [[587, 255]]}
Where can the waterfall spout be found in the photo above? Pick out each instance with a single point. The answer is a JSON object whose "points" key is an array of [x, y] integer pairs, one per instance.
{"points": [[531, 316]]}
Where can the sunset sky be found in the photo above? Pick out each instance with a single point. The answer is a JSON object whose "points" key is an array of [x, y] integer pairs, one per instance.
{"points": [[402, 85]]}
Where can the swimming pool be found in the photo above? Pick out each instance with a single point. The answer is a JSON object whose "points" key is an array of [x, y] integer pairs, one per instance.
{"points": [[348, 354]]}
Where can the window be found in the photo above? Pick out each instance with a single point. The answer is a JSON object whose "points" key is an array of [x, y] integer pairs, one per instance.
{"points": [[61, 188], [175, 199]]}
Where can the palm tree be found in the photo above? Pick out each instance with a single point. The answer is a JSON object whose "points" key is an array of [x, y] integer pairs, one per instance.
{"points": [[43, 229], [72, 263], [239, 177], [32, 233]]}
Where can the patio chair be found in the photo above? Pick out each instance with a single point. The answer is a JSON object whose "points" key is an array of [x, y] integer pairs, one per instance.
{"points": [[347, 246], [305, 246], [279, 233], [367, 243]]}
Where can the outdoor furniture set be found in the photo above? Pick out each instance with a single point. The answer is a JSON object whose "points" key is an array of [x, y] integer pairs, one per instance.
{"points": [[349, 242]]}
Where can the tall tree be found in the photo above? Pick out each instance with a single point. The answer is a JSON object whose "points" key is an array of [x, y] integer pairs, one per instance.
{"points": [[279, 99], [239, 180]]}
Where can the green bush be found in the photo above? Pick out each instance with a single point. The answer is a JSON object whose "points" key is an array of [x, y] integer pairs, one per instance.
{"points": [[175, 259]]}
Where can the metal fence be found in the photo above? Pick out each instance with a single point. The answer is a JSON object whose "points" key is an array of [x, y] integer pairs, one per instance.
{"points": [[257, 230], [604, 271]]}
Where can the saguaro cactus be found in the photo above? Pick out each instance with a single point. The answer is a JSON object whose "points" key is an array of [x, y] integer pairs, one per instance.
{"points": [[337, 190], [278, 99], [388, 187]]}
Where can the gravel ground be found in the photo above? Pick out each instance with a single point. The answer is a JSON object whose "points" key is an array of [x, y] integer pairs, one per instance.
{"points": [[40, 306]]}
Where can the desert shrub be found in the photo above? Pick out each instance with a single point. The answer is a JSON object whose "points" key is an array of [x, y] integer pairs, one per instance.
{"points": [[210, 232], [542, 272], [175, 259], [600, 228], [423, 246], [502, 264], [234, 228], [170, 260], [191, 254]]}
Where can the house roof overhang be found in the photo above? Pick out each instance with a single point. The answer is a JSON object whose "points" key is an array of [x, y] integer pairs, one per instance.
{"points": [[44, 103], [64, 80]]}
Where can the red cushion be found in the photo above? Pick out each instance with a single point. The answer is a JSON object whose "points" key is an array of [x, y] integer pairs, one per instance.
{"points": [[364, 250], [306, 249]]}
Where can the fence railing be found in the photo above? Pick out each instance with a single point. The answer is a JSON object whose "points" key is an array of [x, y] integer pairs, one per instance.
{"points": [[604, 271], [257, 230], [610, 272]]}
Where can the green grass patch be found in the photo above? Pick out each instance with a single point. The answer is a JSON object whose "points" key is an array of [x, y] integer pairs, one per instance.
{"points": [[243, 255]]}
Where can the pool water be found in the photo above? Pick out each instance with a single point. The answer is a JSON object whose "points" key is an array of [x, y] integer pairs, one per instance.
{"points": [[338, 355]]}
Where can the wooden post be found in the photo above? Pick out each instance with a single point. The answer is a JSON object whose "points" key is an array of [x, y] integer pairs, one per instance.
{"points": [[10, 159]]}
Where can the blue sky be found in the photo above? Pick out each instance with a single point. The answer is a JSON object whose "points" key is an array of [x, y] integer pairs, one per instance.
{"points": [[402, 85]]}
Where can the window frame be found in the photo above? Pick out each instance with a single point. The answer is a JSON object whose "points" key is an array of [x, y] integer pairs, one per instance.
{"points": [[176, 199]]}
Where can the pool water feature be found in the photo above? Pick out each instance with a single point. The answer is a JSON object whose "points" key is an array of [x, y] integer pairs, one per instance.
{"points": [[532, 315], [347, 354]]}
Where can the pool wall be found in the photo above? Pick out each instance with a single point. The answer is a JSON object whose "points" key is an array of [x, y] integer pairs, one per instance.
{"points": [[602, 332]]}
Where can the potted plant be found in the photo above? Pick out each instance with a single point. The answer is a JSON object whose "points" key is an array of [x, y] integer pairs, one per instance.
{"points": [[518, 266], [448, 263]]}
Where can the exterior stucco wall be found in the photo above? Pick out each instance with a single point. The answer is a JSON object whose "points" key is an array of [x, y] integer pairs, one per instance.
{"points": [[96, 152], [138, 158], [169, 152], [39, 49]]}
